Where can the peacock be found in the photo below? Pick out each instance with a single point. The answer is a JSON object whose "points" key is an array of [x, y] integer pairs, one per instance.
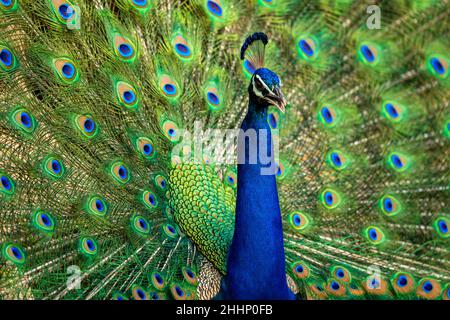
{"points": [[120, 147]]}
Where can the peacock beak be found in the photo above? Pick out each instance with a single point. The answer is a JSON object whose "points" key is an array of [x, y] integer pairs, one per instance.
{"points": [[277, 99]]}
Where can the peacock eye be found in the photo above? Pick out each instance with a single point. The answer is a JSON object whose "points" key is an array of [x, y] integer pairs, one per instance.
{"points": [[259, 85]]}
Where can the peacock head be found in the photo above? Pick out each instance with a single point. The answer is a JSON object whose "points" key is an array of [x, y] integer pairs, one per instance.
{"points": [[265, 89]]}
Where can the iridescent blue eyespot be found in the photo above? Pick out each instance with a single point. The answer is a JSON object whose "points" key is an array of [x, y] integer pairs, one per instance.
{"points": [[68, 70], [45, 220], [6, 57], [279, 171], [340, 273], [147, 148], [336, 159], [306, 48], [427, 286], [56, 167], [182, 49], [140, 2], [367, 53], [143, 224], [160, 181], [90, 244], [65, 11], [437, 66], [396, 161], [388, 205], [297, 220], [213, 98], [125, 50], [129, 96], [402, 281], [334, 285], [170, 89], [328, 198], [88, 247], [99, 205], [5, 183], [141, 294], [443, 226], [373, 234], [391, 110], [179, 291], [214, 8], [89, 125], [13, 253], [16, 252], [374, 284], [122, 172], [327, 115], [158, 278], [190, 273], [25, 119]]}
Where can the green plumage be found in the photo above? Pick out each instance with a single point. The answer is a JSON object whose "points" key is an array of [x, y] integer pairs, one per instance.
{"points": [[97, 97]]}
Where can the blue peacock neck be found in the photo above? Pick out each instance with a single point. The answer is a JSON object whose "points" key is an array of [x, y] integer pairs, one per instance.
{"points": [[256, 261]]}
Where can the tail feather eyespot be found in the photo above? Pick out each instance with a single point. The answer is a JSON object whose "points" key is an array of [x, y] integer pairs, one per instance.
{"points": [[429, 288], [140, 225], [403, 283], [375, 235], [369, 53], [66, 70], [120, 172], [7, 185], [88, 247], [53, 167], [43, 221], [8, 61], [86, 125], [14, 253], [127, 95]]}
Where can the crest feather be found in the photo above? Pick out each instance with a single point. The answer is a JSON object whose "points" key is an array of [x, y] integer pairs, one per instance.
{"points": [[253, 49]]}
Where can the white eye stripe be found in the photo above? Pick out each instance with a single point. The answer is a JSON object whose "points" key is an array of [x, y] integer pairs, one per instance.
{"points": [[264, 84], [256, 91]]}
